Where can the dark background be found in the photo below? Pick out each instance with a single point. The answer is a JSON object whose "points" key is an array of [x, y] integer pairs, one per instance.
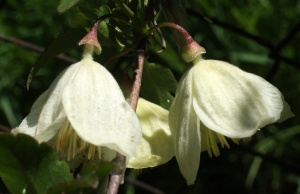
{"points": [[259, 36]]}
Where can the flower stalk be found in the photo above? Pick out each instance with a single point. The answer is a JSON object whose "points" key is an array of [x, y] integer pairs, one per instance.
{"points": [[117, 174], [191, 50]]}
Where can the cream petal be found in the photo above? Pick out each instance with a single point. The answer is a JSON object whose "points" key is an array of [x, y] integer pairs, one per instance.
{"points": [[29, 123], [286, 112], [53, 105], [107, 154], [52, 129], [233, 102], [184, 126], [97, 110], [156, 146], [15, 131]]}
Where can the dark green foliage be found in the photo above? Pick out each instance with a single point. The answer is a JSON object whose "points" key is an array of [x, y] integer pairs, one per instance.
{"points": [[27, 165], [158, 84], [63, 43], [261, 37], [91, 179], [64, 5]]}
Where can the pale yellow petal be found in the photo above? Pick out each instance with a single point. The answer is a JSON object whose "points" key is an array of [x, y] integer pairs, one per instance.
{"points": [[156, 146], [97, 110], [233, 102], [185, 128]]}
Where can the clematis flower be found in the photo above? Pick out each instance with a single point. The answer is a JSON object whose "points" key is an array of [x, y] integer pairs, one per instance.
{"points": [[214, 100], [84, 114], [156, 146]]}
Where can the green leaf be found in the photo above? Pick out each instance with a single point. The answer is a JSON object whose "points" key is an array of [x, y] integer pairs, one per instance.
{"points": [[157, 85], [248, 57], [64, 5], [80, 19], [64, 42], [73, 187], [128, 11], [103, 10], [90, 178], [106, 36], [29, 166], [87, 13], [89, 172], [123, 10], [104, 169]]}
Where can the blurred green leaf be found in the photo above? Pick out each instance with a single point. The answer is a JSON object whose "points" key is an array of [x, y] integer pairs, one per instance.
{"points": [[157, 85], [89, 14], [280, 138], [27, 165], [249, 57], [64, 5], [103, 10], [90, 172], [73, 187], [7, 108], [88, 181], [80, 19], [64, 42], [106, 36], [271, 21]]}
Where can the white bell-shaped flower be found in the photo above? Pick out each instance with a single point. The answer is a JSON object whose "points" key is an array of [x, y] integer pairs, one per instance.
{"points": [[216, 99], [83, 110], [156, 146]]}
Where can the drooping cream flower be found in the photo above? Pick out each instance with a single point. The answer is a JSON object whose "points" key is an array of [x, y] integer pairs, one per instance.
{"points": [[216, 99], [83, 111], [156, 146]]}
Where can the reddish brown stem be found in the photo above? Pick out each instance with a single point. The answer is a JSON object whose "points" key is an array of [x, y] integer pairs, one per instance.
{"points": [[4, 128], [188, 38], [135, 90], [33, 47], [116, 174]]}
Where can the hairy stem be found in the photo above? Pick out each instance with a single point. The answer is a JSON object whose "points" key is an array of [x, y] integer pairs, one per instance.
{"points": [[117, 173], [186, 35]]}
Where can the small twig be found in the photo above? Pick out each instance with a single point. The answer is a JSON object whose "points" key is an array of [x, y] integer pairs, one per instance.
{"points": [[34, 47], [199, 11], [273, 70], [275, 52], [143, 185], [235, 29], [135, 90], [117, 173], [288, 37], [287, 165], [291, 62], [257, 39], [4, 128], [119, 54], [162, 38]]}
